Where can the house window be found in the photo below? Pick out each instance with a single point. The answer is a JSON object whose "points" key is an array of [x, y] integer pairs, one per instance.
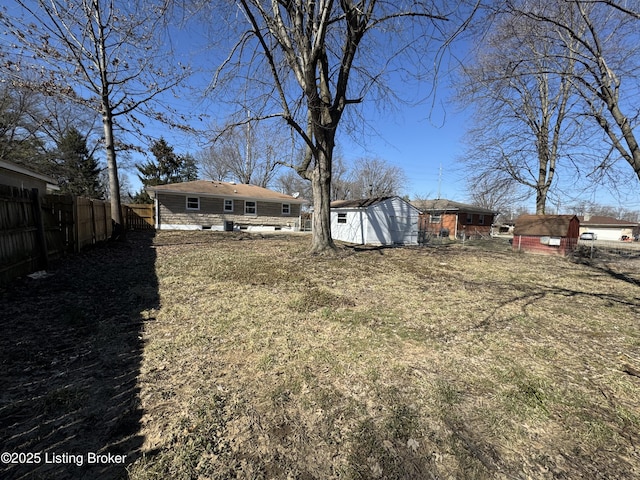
{"points": [[480, 219], [469, 218], [286, 208], [228, 205], [250, 207], [193, 203], [342, 218], [435, 218]]}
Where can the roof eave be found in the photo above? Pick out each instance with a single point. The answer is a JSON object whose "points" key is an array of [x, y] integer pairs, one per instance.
{"points": [[223, 195]]}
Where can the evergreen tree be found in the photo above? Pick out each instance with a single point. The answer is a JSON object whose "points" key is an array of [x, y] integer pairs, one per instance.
{"points": [[78, 170], [167, 167]]}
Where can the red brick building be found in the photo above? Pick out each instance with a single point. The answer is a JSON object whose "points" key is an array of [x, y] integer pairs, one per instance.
{"points": [[442, 217]]}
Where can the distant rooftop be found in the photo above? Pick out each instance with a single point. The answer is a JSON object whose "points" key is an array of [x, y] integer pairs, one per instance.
{"points": [[226, 189], [602, 221], [445, 205]]}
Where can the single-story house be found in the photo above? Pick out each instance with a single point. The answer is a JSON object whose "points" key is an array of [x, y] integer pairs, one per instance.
{"points": [[607, 228], [223, 206], [442, 217], [550, 234], [18, 176], [375, 221]]}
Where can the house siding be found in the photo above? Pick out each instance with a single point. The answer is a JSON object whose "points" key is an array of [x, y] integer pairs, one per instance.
{"points": [[172, 213]]}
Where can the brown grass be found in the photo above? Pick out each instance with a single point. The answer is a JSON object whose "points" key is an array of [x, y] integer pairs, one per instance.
{"points": [[262, 361]]}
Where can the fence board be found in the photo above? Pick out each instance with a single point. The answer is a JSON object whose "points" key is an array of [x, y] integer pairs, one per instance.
{"points": [[59, 224], [93, 218], [19, 252], [139, 216], [34, 228]]}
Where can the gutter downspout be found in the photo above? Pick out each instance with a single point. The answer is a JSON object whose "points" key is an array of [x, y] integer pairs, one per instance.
{"points": [[455, 233], [157, 210]]}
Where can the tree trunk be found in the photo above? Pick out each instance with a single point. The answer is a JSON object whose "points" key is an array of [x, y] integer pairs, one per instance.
{"points": [[541, 201], [112, 167], [321, 241]]}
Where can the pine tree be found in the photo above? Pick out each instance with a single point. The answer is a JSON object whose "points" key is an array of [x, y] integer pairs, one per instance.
{"points": [[168, 167], [78, 170]]}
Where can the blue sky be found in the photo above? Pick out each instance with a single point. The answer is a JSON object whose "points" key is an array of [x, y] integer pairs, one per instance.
{"points": [[428, 144], [426, 141]]}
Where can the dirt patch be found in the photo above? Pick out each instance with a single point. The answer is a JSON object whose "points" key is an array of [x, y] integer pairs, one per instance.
{"points": [[70, 356]]}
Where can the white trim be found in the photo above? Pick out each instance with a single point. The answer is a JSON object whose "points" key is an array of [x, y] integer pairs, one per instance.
{"points": [[282, 212], [224, 205], [187, 207], [255, 208], [220, 228], [169, 226]]}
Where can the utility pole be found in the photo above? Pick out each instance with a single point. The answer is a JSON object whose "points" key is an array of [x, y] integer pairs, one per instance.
{"points": [[247, 157]]}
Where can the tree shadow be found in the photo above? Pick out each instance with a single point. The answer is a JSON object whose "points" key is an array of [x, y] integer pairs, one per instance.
{"points": [[70, 356]]}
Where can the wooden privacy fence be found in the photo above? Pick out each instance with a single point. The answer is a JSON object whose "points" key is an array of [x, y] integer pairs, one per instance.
{"points": [[35, 228], [139, 217]]}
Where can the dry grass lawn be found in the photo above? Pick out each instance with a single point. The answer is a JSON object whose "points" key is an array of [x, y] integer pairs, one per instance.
{"points": [[262, 361]]}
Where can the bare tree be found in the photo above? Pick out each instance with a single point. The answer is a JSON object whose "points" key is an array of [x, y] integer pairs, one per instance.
{"points": [[99, 53], [21, 120], [341, 184], [374, 177], [524, 119], [498, 193], [290, 183], [320, 58], [249, 153], [601, 36]]}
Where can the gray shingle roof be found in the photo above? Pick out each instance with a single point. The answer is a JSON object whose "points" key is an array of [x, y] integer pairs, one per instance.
{"points": [[225, 189], [445, 205]]}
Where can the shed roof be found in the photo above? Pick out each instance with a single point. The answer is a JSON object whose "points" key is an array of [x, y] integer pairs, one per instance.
{"points": [[225, 189], [358, 202], [445, 205], [12, 167], [543, 225]]}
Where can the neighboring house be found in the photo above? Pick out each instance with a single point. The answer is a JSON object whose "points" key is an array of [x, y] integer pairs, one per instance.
{"points": [[210, 205], [550, 234], [451, 219], [375, 221], [18, 176], [607, 228]]}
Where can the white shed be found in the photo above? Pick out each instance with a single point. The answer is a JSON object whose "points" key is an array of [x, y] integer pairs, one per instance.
{"points": [[375, 221]]}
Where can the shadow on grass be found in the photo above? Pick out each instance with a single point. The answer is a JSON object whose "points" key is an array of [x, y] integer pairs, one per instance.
{"points": [[70, 356]]}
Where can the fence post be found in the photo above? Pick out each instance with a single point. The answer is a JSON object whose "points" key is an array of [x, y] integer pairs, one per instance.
{"points": [[76, 224], [42, 238]]}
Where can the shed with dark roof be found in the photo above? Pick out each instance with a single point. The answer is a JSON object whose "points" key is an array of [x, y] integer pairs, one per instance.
{"points": [[550, 234]]}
